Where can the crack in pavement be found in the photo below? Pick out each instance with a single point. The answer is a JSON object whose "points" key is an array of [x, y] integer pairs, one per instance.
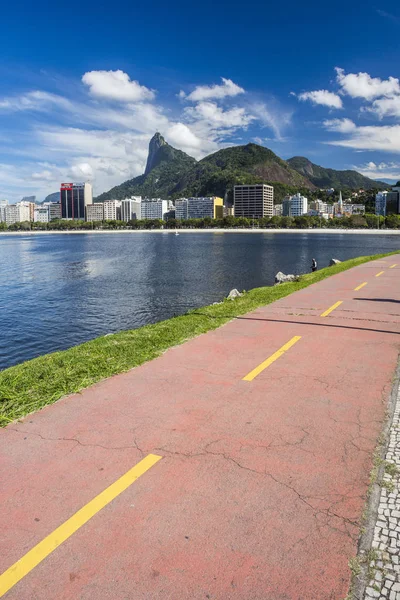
{"points": [[325, 512], [78, 442]]}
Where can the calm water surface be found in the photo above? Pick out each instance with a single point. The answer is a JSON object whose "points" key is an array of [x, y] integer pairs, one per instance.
{"points": [[60, 290]]}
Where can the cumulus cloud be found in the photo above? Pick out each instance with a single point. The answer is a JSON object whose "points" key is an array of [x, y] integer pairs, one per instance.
{"points": [[207, 92], [214, 115], [340, 125], [82, 171], [380, 170], [362, 85], [385, 107], [322, 97], [86, 138], [116, 85], [385, 138]]}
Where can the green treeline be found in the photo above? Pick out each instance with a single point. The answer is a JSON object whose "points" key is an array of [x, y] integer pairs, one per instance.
{"points": [[368, 221]]}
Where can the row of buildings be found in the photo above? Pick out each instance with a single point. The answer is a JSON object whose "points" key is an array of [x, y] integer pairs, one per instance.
{"points": [[250, 201], [255, 201]]}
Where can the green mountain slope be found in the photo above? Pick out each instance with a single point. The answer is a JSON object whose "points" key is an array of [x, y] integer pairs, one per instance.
{"points": [[219, 172], [326, 178], [171, 173]]}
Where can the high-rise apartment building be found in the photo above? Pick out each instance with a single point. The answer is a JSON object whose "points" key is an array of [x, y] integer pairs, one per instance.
{"points": [[54, 211], [112, 210], [74, 197], [3, 204], [380, 203], [181, 209], [254, 201], [154, 208], [131, 208], [17, 213], [393, 202], [294, 206], [95, 212], [199, 208]]}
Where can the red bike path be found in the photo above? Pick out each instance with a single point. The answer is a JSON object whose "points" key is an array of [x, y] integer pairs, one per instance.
{"points": [[261, 483]]}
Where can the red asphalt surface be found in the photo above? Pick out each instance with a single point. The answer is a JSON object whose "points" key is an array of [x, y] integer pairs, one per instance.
{"points": [[262, 484]]}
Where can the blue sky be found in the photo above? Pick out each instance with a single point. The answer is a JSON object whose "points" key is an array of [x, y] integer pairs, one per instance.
{"points": [[84, 86]]}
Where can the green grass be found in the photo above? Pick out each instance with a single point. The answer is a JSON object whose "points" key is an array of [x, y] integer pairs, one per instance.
{"points": [[36, 383]]}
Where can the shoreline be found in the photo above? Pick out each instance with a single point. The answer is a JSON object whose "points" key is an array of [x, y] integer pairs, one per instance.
{"points": [[38, 382], [219, 231]]}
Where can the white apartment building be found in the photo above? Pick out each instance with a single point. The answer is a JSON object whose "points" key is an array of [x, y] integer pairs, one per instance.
{"points": [[278, 210], [131, 208], [16, 213], [200, 208], [295, 206], [11, 214], [3, 204], [380, 203], [41, 214], [154, 208], [112, 210], [95, 212], [253, 201]]}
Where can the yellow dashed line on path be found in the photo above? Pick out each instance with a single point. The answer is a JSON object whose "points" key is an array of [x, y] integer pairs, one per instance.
{"points": [[39, 552], [380, 273], [250, 376], [360, 286], [331, 308]]}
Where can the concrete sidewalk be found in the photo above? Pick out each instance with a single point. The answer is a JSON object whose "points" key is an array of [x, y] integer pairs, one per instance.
{"points": [[261, 484]]}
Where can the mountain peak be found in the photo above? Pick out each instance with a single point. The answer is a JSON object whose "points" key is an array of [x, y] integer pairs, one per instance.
{"points": [[156, 142]]}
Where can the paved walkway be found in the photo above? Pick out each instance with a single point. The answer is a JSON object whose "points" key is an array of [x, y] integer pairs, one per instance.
{"points": [[222, 470]]}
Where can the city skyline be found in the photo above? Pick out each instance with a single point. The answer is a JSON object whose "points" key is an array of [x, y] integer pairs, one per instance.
{"points": [[310, 82]]}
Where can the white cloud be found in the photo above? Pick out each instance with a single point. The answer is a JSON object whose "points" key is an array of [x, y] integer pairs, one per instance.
{"points": [[82, 171], [116, 85], [214, 115], [340, 125], [272, 116], [35, 101], [362, 85], [207, 92], [42, 175], [384, 138], [380, 170], [322, 97], [85, 138], [385, 107]]}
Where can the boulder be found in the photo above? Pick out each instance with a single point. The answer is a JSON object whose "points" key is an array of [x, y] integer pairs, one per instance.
{"points": [[234, 294], [282, 278], [334, 261]]}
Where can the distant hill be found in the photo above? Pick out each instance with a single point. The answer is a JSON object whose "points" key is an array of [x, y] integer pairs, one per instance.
{"points": [[170, 173], [327, 178], [54, 197]]}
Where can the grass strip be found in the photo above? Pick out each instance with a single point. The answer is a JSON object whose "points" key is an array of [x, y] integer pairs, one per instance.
{"points": [[36, 383]]}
